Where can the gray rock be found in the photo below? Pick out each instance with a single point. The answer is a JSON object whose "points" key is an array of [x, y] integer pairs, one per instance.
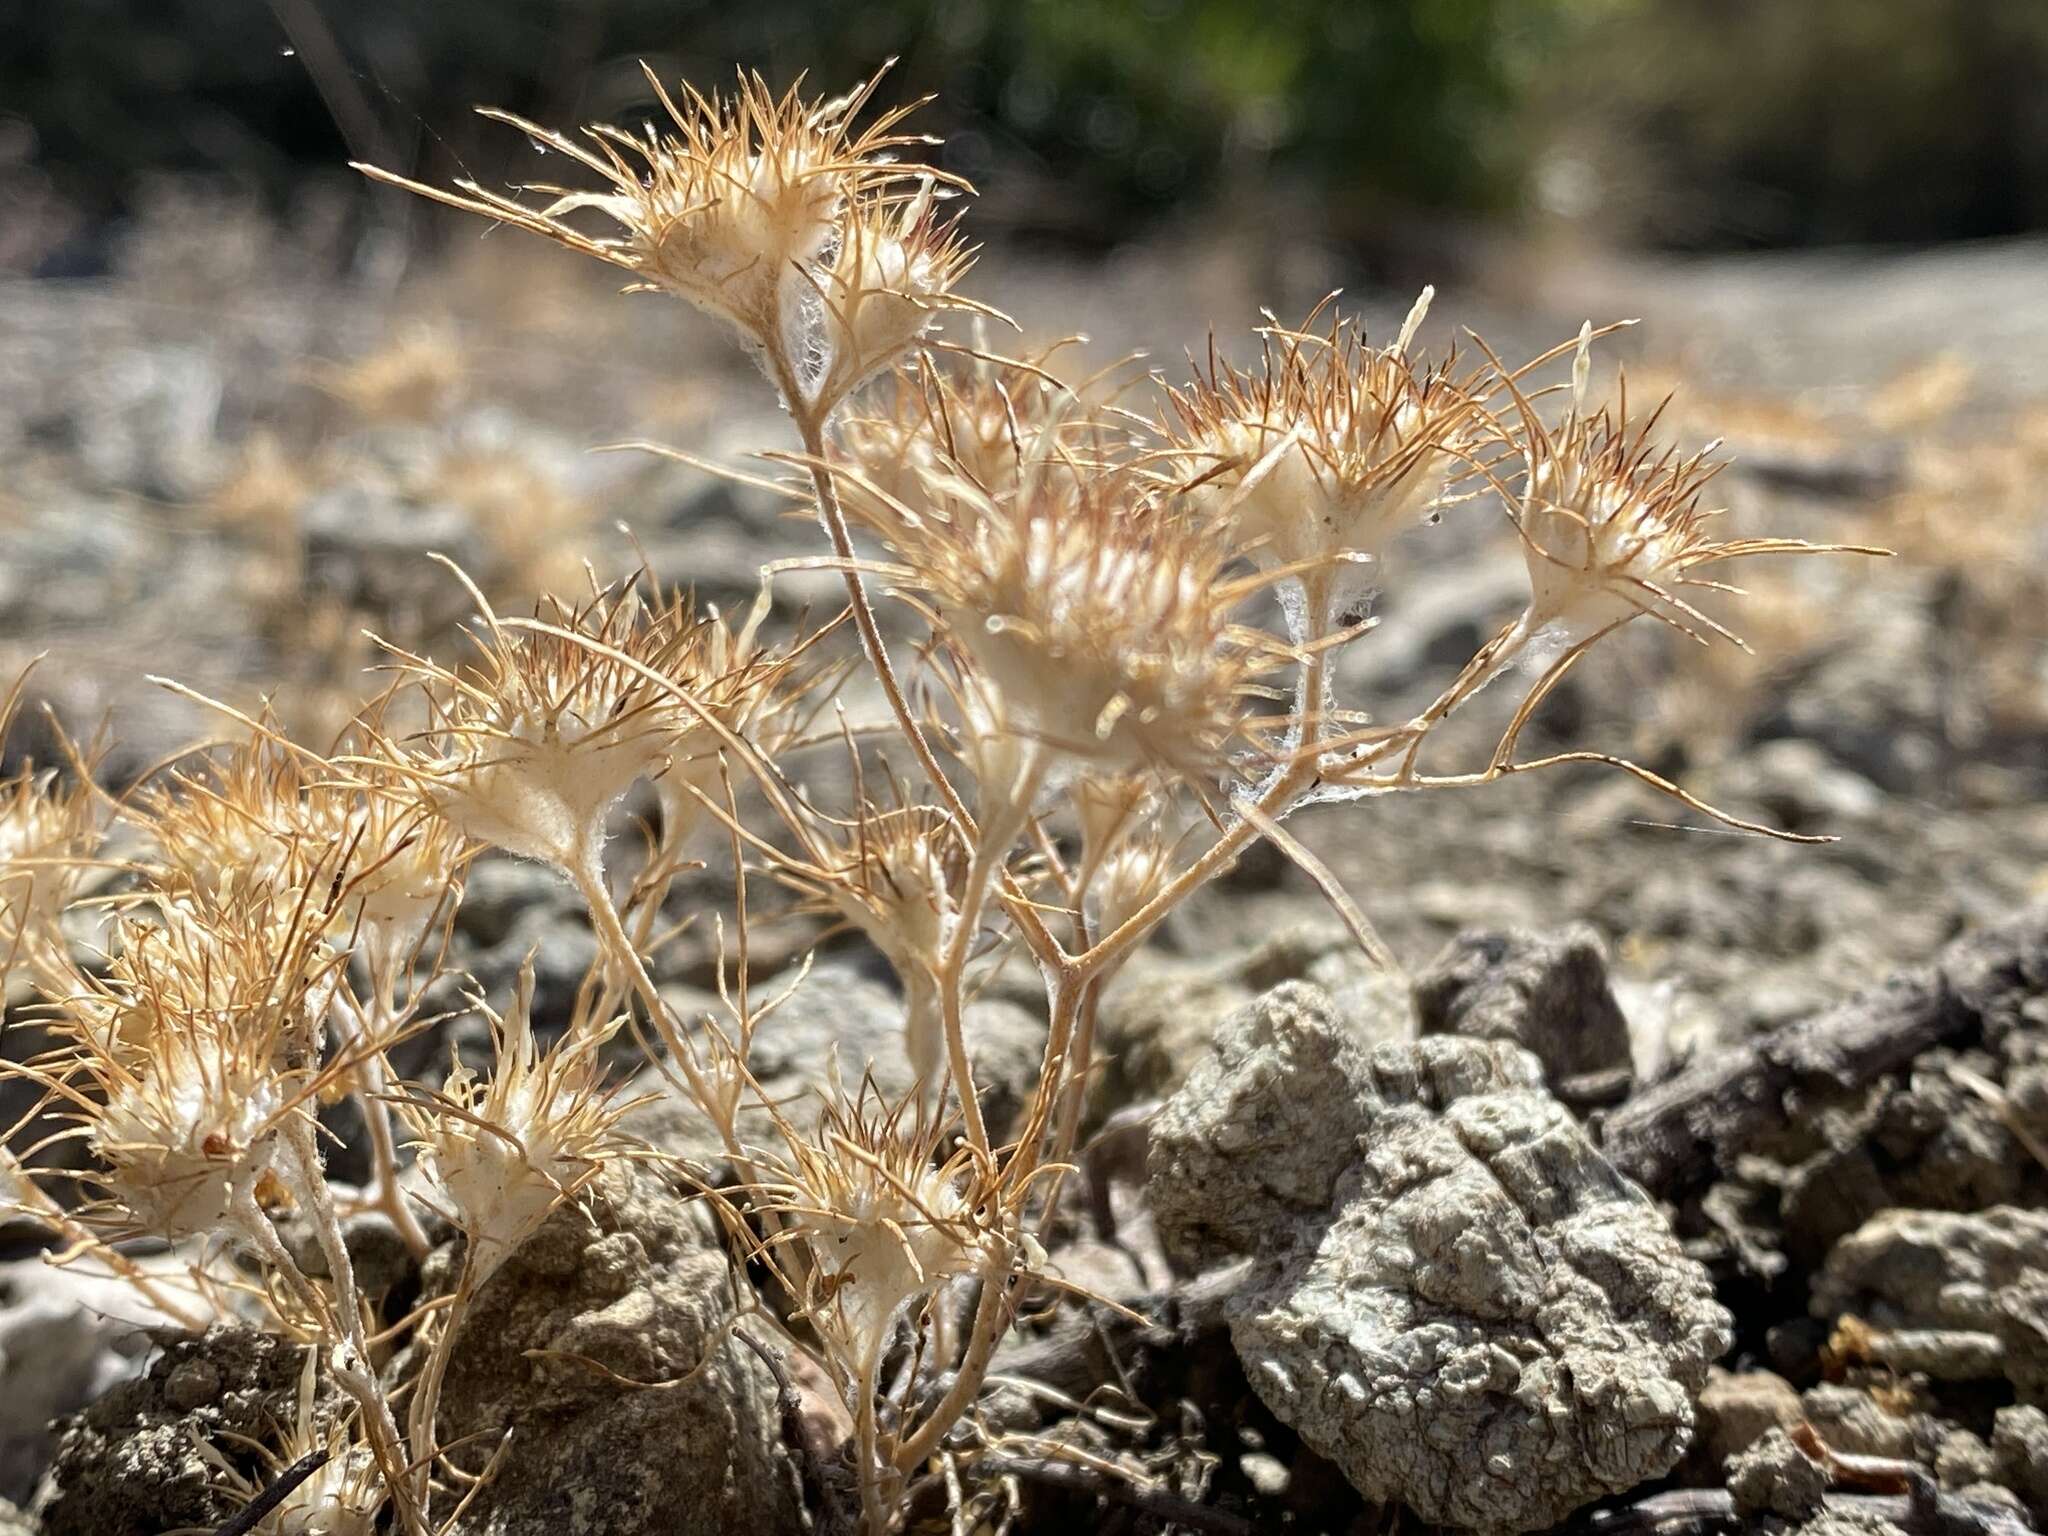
{"points": [[631, 1282], [1737, 1409], [1963, 1460], [367, 543], [1159, 1014], [1776, 1477], [1982, 1272], [1547, 992], [130, 1464], [1850, 1420], [2019, 1452], [1453, 1295]]}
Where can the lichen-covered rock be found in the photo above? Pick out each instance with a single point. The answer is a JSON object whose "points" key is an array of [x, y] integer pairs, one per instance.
{"points": [[1546, 992], [130, 1464], [603, 1344], [1454, 1296], [1776, 1477]]}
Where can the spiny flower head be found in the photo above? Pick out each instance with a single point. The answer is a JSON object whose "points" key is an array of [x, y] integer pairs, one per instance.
{"points": [[266, 816], [532, 746], [739, 204], [182, 1061], [1099, 620], [1330, 449], [50, 829], [896, 270], [1611, 524], [252, 962], [883, 1220], [895, 874], [990, 424], [748, 690], [503, 1153]]}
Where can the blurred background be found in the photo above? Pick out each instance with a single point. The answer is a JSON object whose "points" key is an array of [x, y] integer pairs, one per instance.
{"points": [[1387, 124]]}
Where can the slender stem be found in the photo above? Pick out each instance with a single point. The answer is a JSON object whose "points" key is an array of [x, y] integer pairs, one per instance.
{"points": [[1074, 1092], [588, 874], [990, 859], [811, 427], [1312, 688], [369, 1093], [991, 1320], [350, 1374], [877, 1506], [426, 1402]]}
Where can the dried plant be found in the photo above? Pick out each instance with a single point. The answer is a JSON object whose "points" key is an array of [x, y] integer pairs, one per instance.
{"points": [[1093, 587]]}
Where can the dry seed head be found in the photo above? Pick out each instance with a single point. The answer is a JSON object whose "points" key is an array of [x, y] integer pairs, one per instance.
{"points": [[751, 691], [531, 748], [1612, 526], [254, 960], [502, 1154], [263, 817], [989, 425], [50, 830], [194, 1118], [1098, 621], [191, 1051], [896, 269], [895, 875], [734, 203], [884, 1224], [1330, 449]]}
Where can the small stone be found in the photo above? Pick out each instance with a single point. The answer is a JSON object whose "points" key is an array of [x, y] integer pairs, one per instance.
{"points": [[1441, 1260], [2019, 1451], [192, 1384], [1849, 1420], [1737, 1409], [1266, 1473], [1776, 1477], [1547, 992], [1963, 1460]]}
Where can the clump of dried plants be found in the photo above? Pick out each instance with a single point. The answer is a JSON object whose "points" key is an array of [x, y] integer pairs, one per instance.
{"points": [[1097, 720]]}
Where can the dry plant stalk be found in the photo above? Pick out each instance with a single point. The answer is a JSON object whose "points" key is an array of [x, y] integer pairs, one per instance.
{"points": [[1086, 578]]}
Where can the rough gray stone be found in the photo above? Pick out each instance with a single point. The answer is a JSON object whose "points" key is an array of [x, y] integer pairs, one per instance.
{"points": [[1736, 1409], [1453, 1295], [1776, 1477], [1850, 1420], [1982, 1272], [1547, 992], [130, 1464], [630, 1284], [1963, 1460], [1160, 1012], [2019, 1451]]}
